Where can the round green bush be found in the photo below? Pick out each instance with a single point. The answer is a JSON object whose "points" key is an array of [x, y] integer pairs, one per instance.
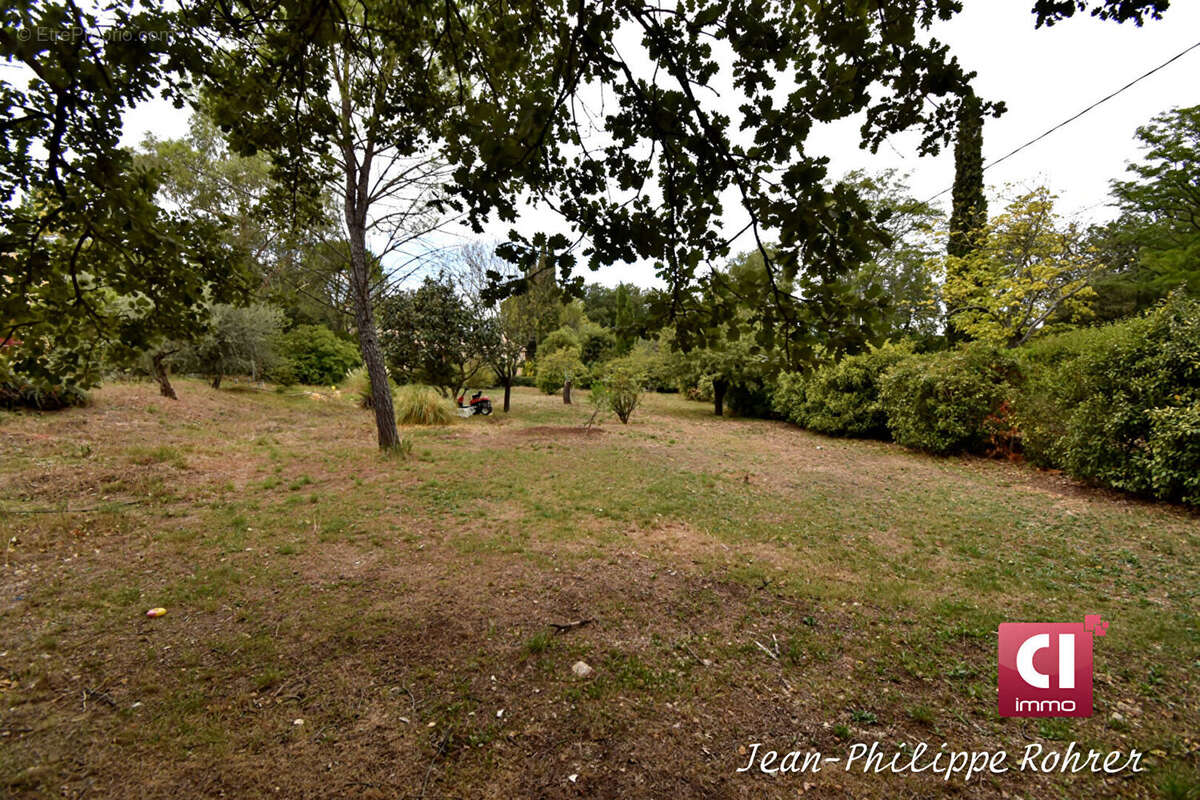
{"points": [[949, 402], [554, 367], [316, 356]]}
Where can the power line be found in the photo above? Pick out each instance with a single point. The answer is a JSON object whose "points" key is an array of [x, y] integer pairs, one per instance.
{"points": [[1068, 121]]}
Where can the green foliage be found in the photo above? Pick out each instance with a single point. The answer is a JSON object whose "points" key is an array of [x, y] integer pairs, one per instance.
{"points": [[620, 389], [1161, 205], [1120, 405], [92, 269], [740, 370], [295, 267], [511, 327], [358, 383], [432, 335], [596, 344], [751, 397], [421, 405], [652, 359], [841, 399], [20, 394], [564, 338], [1027, 268], [239, 340], [1054, 386], [554, 369], [315, 355], [900, 271], [788, 400], [624, 310], [491, 94], [951, 401], [969, 215]]}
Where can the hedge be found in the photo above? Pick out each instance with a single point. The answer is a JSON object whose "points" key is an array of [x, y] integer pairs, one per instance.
{"points": [[840, 399], [1117, 405], [1120, 405], [954, 401]]}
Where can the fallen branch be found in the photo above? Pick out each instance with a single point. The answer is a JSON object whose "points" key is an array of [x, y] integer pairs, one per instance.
{"points": [[95, 694], [65, 510], [441, 749], [774, 656], [564, 627]]}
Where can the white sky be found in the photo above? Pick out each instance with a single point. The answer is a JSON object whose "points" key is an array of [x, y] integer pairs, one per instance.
{"points": [[1044, 76]]}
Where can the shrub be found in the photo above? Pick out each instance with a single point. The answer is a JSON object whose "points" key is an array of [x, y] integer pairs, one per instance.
{"points": [[651, 358], [283, 373], [842, 398], [19, 393], [949, 402], [1054, 386], [595, 343], [750, 397], [358, 383], [1172, 461], [620, 390], [421, 405], [564, 338], [315, 355], [788, 399], [1118, 406], [554, 367]]}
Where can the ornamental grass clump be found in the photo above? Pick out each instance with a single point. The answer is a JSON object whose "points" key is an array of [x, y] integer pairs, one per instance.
{"points": [[358, 385], [421, 405]]}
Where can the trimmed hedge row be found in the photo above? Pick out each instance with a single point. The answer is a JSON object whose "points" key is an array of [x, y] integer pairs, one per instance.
{"points": [[841, 399], [1117, 405], [1120, 405], [950, 402]]}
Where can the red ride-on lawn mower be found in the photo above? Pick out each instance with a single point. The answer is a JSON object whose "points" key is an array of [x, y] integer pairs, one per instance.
{"points": [[478, 404]]}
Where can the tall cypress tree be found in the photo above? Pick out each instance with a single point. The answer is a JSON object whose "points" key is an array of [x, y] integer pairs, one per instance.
{"points": [[970, 205], [969, 214]]}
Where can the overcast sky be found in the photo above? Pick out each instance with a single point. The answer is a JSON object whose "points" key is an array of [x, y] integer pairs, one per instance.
{"points": [[1044, 76]]}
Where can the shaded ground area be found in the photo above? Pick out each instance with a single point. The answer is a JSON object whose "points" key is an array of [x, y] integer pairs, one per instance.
{"points": [[345, 625]]}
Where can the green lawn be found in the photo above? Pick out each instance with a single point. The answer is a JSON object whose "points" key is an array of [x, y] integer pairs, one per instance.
{"points": [[341, 624]]}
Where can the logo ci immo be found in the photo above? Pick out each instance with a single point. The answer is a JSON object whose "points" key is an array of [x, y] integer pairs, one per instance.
{"points": [[1046, 667]]}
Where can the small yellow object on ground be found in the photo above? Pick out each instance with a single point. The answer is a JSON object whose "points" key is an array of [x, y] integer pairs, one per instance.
{"points": [[156, 612]]}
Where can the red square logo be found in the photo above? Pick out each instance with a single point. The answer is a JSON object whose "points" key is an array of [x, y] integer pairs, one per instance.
{"points": [[1045, 668]]}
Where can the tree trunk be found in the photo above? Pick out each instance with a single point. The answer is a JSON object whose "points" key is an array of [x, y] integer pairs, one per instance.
{"points": [[719, 387], [368, 342], [162, 375], [567, 392], [216, 382], [356, 198], [507, 392]]}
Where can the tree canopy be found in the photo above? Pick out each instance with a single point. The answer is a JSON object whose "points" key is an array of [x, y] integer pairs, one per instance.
{"points": [[1030, 266], [1162, 200]]}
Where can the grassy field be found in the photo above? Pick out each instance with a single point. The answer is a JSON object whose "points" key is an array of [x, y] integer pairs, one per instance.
{"points": [[344, 625]]}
